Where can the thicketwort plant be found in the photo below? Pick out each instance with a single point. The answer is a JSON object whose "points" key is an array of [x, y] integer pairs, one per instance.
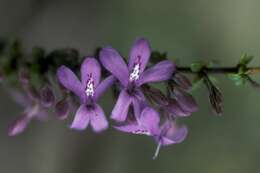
{"points": [[41, 81]]}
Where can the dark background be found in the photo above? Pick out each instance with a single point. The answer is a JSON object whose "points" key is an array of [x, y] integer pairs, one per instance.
{"points": [[188, 31]]}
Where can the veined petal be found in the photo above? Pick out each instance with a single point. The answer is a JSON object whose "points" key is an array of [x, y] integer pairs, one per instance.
{"points": [[98, 119], [19, 125], [115, 64], [150, 119], [160, 72], [121, 108], [103, 86], [70, 81], [139, 54], [81, 119], [133, 128], [90, 68]]}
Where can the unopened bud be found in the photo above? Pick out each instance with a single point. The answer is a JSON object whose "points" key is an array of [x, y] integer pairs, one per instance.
{"points": [[155, 95], [62, 108], [182, 81], [185, 100], [46, 96], [24, 76], [175, 110]]}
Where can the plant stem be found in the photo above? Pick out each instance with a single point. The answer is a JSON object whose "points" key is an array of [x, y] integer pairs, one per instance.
{"points": [[220, 70]]}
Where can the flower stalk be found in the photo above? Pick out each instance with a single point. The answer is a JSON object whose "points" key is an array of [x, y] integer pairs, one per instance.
{"points": [[140, 108]]}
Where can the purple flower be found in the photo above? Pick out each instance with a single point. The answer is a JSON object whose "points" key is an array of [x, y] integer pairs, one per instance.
{"points": [[147, 124], [32, 109], [134, 75], [170, 134], [89, 90], [166, 134]]}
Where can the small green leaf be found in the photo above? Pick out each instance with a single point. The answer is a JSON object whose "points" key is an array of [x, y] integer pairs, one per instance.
{"points": [[245, 59], [196, 67], [237, 78], [234, 76]]}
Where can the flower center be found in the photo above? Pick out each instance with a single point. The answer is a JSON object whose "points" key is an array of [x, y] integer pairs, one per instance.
{"points": [[135, 74], [140, 131], [90, 87]]}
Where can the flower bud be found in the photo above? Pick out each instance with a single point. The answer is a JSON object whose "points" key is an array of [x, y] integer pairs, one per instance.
{"points": [[24, 76], [175, 110], [215, 96], [46, 96], [182, 81], [62, 108], [185, 100], [155, 95]]}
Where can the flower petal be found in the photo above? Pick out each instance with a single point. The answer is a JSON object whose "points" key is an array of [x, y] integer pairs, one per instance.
{"points": [[19, 125], [115, 64], [171, 134], [70, 81], [150, 119], [98, 120], [81, 119], [160, 72], [139, 53], [138, 103], [133, 128], [103, 86], [121, 108], [90, 68]]}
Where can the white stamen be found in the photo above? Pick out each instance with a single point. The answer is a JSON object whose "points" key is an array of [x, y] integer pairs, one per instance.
{"points": [[157, 151], [141, 132], [135, 74], [90, 87]]}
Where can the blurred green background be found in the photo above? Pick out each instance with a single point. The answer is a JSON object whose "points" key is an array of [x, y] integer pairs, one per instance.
{"points": [[188, 31]]}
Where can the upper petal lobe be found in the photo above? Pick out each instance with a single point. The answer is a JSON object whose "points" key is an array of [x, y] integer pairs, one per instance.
{"points": [[103, 86], [90, 68], [115, 64], [139, 53], [70, 81]]}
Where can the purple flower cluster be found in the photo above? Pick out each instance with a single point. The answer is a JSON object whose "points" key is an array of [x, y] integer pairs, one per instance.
{"points": [[133, 111], [130, 79], [34, 102]]}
